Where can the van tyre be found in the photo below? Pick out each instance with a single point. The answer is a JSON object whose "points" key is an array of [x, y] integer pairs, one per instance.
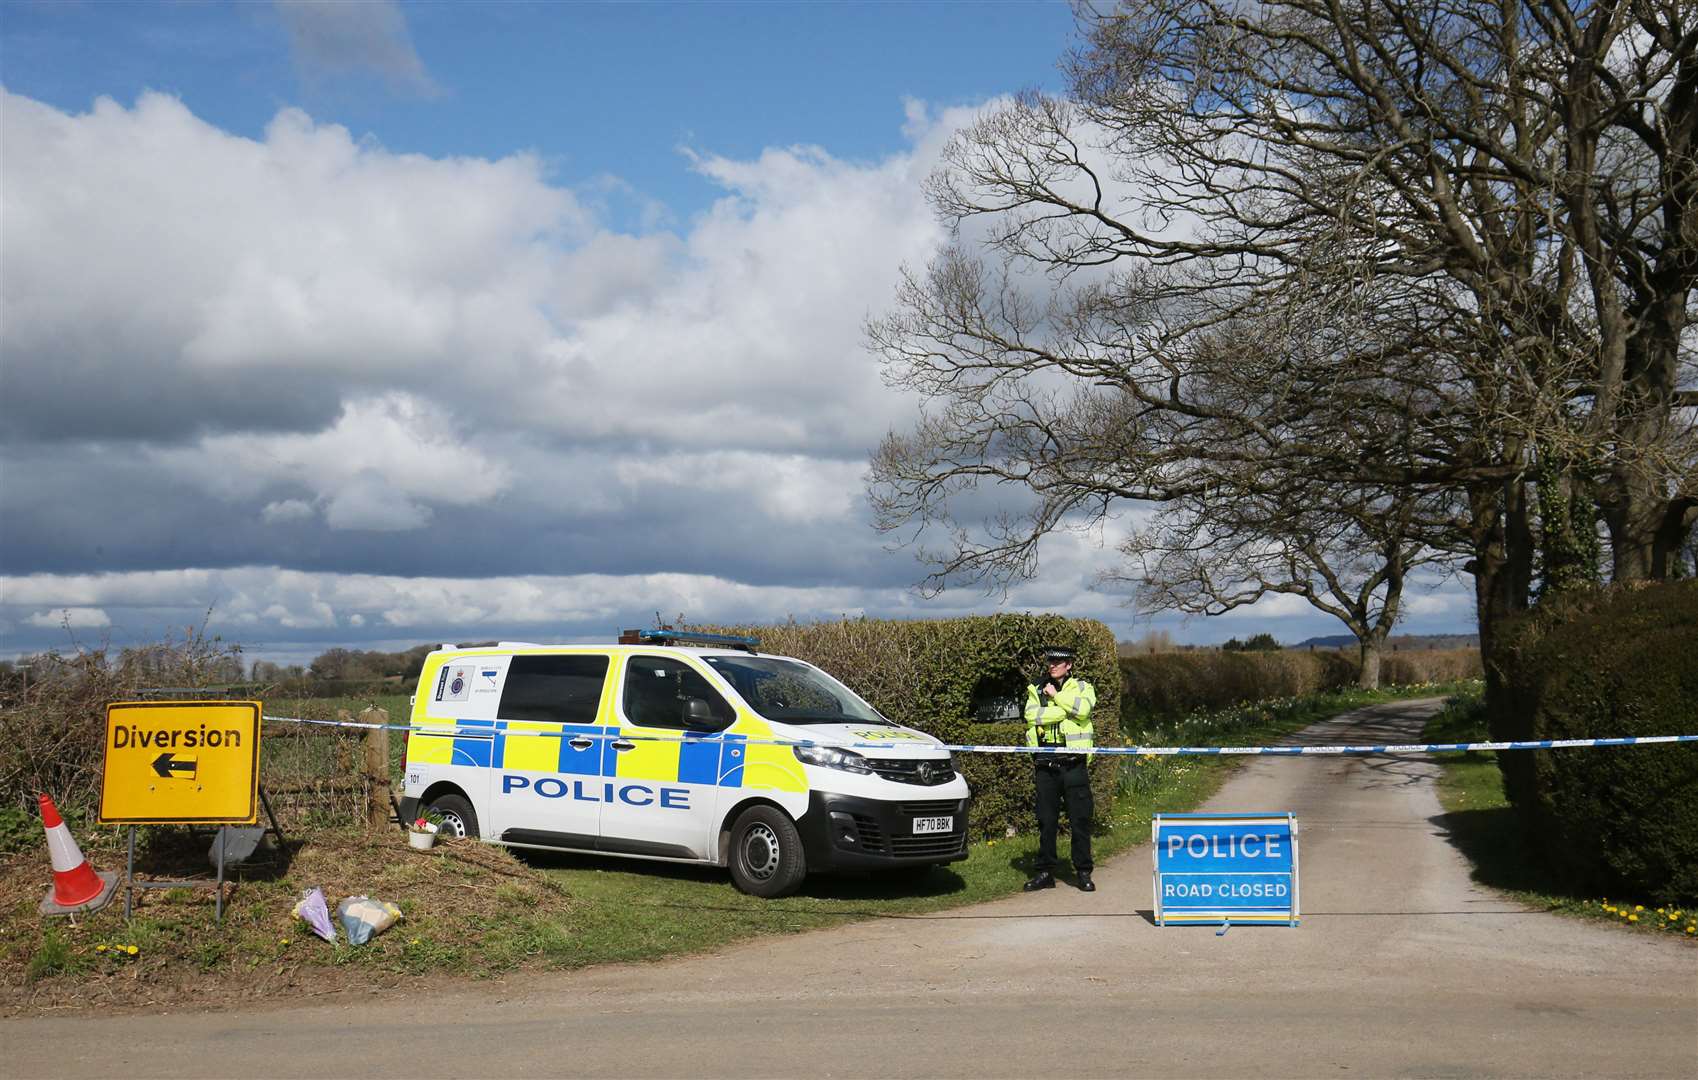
{"points": [[458, 817], [766, 853]]}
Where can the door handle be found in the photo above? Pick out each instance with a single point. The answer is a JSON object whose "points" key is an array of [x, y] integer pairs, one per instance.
{"points": [[580, 743], [624, 744]]}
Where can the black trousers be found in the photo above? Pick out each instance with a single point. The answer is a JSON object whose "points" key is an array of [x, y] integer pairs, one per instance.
{"points": [[1064, 778]]}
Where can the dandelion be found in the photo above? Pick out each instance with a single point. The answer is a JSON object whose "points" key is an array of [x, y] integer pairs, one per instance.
{"points": [[283, 941], [1633, 918], [131, 949], [1692, 929], [1638, 907], [100, 948]]}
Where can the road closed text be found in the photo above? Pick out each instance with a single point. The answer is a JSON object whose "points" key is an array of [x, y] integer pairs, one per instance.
{"points": [[1181, 889]]}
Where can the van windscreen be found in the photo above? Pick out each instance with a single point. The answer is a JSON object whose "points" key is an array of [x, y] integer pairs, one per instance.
{"points": [[792, 692]]}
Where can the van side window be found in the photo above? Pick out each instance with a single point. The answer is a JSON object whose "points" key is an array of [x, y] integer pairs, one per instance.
{"points": [[657, 688], [559, 689]]}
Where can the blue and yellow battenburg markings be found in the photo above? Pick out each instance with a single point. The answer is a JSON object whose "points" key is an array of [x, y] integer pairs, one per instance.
{"points": [[716, 760]]}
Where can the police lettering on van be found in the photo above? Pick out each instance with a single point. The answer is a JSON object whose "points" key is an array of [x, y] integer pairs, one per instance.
{"points": [[661, 747]]}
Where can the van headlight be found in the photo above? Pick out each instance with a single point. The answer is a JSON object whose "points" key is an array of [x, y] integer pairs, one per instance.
{"points": [[829, 757]]}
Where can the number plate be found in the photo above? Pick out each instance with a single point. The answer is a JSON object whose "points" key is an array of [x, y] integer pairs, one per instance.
{"points": [[933, 825]]}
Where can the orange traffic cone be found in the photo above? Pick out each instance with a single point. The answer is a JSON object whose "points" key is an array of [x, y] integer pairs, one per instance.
{"points": [[76, 885]]}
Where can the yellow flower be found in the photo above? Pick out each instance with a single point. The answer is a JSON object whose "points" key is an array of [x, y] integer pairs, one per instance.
{"points": [[415, 941], [1638, 907], [1633, 918], [100, 948], [283, 941], [131, 949]]}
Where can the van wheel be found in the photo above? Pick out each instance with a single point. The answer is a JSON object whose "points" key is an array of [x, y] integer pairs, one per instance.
{"points": [[766, 853], [458, 817]]}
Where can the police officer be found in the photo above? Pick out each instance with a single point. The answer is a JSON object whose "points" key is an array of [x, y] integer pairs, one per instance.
{"points": [[1058, 714]]}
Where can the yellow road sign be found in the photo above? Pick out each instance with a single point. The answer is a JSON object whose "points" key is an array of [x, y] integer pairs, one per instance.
{"points": [[181, 763]]}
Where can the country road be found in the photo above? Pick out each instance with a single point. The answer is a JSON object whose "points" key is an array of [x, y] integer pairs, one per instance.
{"points": [[1402, 967]]}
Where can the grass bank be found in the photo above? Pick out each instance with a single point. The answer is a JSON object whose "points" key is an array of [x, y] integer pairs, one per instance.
{"points": [[475, 910], [1484, 827]]}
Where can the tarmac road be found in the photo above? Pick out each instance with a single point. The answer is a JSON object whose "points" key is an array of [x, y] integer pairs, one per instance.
{"points": [[1401, 968]]}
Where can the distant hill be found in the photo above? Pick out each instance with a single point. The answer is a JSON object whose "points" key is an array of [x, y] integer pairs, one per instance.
{"points": [[1400, 641]]}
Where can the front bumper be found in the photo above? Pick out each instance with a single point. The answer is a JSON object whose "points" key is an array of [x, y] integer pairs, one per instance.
{"points": [[845, 832]]}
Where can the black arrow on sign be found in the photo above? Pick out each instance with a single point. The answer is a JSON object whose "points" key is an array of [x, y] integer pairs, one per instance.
{"points": [[166, 764]]}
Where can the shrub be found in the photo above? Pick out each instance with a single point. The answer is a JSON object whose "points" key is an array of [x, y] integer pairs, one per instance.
{"points": [[936, 674], [53, 717], [1429, 666], [1616, 662], [1174, 684]]}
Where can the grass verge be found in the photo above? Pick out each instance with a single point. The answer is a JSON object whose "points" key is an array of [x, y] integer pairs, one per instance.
{"points": [[474, 910], [1485, 828]]}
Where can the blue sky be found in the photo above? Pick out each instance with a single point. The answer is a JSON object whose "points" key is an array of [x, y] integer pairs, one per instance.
{"points": [[374, 324], [599, 90]]}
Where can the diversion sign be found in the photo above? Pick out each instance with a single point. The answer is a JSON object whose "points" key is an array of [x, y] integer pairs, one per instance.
{"points": [[1217, 869], [181, 763]]}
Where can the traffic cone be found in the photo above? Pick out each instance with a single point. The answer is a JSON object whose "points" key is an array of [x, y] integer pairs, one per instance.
{"points": [[76, 884]]}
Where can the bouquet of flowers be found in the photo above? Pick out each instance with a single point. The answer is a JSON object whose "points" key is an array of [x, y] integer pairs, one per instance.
{"points": [[422, 832]]}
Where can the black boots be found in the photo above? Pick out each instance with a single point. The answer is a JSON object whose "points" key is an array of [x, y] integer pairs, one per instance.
{"points": [[1043, 879]]}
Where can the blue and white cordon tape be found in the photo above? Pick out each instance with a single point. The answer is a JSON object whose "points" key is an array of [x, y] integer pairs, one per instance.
{"points": [[1129, 751]]}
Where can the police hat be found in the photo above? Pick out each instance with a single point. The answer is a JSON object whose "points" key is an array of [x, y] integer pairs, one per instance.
{"points": [[1057, 655]]}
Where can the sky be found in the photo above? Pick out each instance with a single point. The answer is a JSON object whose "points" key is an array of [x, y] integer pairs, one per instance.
{"points": [[368, 325]]}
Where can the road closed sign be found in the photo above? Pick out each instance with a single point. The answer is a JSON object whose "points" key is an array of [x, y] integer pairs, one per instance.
{"points": [[1217, 869], [181, 763]]}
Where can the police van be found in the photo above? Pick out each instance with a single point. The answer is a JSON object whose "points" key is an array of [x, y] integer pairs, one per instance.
{"points": [[662, 746]]}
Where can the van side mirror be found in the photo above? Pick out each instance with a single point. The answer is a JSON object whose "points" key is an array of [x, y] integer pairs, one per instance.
{"points": [[699, 716]]}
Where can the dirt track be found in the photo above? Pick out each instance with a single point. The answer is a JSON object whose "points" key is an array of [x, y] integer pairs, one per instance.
{"points": [[1401, 968]]}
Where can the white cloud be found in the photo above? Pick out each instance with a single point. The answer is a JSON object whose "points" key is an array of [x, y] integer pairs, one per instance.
{"points": [[307, 325], [77, 618], [286, 510], [374, 469]]}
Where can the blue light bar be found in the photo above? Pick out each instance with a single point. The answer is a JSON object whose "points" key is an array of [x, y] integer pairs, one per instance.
{"points": [[733, 640]]}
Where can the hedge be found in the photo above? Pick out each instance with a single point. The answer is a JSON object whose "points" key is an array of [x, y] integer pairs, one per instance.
{"points": [[1173, 684], [1176, 683], [933, 675], [1610, 821]]}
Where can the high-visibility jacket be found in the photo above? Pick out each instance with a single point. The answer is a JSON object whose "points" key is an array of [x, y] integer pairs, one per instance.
{"points": [[1062, 720]]}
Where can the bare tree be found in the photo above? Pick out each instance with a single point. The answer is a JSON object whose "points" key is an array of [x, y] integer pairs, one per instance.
{"points": [[1464, 234], [1348, 557]]}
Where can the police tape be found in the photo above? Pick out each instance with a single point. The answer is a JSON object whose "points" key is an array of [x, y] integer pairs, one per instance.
{"points": [[1122, 751]]}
